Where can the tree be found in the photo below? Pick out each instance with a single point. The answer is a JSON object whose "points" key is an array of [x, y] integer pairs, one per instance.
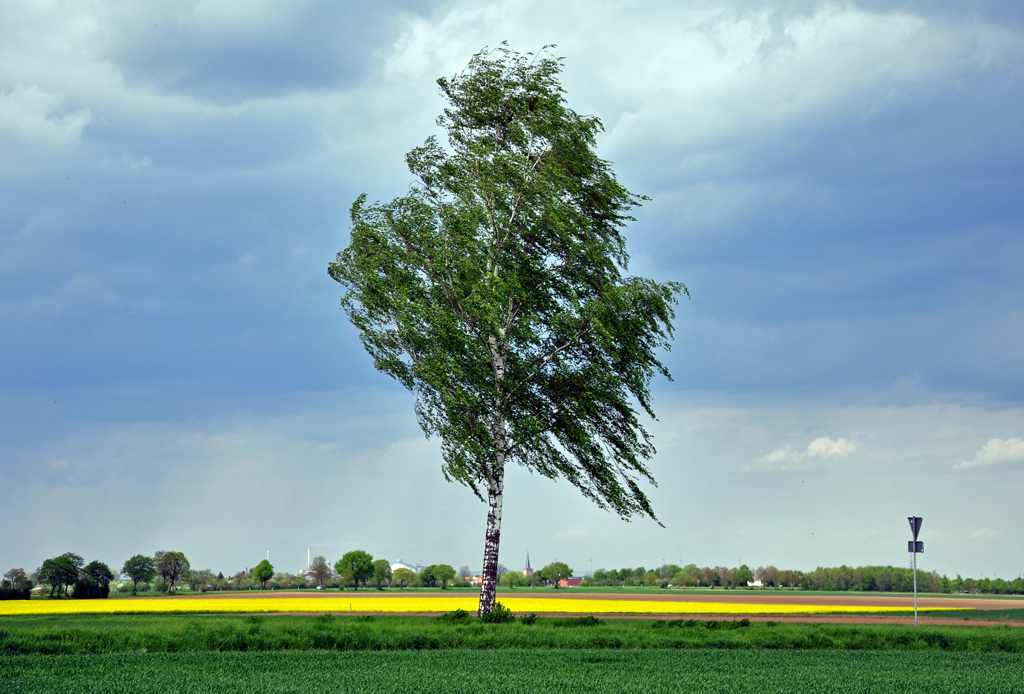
{"points": [[319, 571], [171, 566], [263, 572], [494, 290], [355, 566], [742, 576], [555, 572], [140, 569], [94, 581], [59, 573], [445, 574], [403, 576], [16, 585], [511, 579], [381, 572]]}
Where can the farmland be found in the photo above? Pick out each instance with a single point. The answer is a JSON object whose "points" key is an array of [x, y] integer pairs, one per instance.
{"points": [[705, 670]]}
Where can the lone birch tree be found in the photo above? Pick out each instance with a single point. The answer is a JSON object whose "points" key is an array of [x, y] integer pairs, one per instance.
{"points": [[494, 290]]}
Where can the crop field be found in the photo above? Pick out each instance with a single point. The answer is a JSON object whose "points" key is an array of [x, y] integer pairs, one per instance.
{"points": [[452, 672], [375, 603], [168, 633]]}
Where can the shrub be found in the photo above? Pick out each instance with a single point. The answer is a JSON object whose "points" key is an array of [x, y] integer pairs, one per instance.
{"points": [[456, 616], [529, 619], [588, 621], [8, 591], [499, 615]]}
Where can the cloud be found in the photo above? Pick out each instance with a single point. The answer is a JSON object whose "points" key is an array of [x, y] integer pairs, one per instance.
{"points": [[32, 115], [823, 447], [996, 452]]}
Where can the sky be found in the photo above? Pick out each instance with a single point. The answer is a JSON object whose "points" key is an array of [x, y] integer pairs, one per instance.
{"points": [[840, 185]]}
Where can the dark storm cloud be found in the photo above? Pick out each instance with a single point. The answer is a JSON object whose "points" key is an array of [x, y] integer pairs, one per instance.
{"points": [[261, 50]]}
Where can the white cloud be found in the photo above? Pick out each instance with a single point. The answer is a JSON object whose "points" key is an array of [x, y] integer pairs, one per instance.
{"points": [[996, 452], [31, 115], [786, 458]]}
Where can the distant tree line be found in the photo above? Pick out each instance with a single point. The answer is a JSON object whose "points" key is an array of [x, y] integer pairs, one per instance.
{"points": [[842, 578], [68, 575]]}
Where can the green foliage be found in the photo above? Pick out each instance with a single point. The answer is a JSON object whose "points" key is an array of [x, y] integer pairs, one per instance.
{"points": [[495, 290], [16, 585], [555, 572], [511, 579], [172, 566], [355, 566], [516, 671], [587, 621], [499, 615], [93, 581], [381, 572], [263, 572], [140, 569], [122, 634], [59, 573], [404, 577], [437, 575], [459, 615]]}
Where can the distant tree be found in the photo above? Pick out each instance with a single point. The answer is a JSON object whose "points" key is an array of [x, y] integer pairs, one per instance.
{"points": [[502, 570], [555, 572], [511, 579], [403, 577], [465, 571], [94, 581], [140, 569], [445, 574], [263, 572], [742, 576], [59, 573], [16, 585], [172, 566], [320, 572], [381, 572], [201, 580], [355, 566], [76, 559], [426, 576]]}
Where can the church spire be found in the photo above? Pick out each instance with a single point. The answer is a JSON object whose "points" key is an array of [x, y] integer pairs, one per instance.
{"points": [[527, 571]]}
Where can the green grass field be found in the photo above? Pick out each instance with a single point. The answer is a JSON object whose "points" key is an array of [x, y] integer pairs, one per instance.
{"points": [[169, 633], [562, 671]]}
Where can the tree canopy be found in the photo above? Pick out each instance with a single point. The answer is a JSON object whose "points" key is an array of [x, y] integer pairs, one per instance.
{"points": [[381, 572], [172, 566], [59, 573], [555, 572], [355, 566], [495, 291], [140, 569], [263, 572], [319, 571]]}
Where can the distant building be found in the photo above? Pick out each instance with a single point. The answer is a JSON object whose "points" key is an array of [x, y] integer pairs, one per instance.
{"points": [[527, 571], [570, 582], [400, 565]]}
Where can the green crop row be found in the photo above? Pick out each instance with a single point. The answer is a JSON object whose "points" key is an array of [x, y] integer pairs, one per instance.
{"points": [[84, 634], [455, 671]]}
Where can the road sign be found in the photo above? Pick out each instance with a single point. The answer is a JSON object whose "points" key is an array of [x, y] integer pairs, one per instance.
{"points": [[915, 547], [915, 525]]}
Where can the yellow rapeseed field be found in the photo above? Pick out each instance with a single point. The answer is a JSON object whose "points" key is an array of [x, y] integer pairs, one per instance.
{"points": [[369, 603]]}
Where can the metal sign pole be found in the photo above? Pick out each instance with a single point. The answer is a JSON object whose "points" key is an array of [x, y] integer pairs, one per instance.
{"points": [[914, 547], [915, 589]]}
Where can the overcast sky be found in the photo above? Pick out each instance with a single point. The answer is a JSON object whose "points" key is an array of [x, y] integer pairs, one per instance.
{"points": [[839, 185]]}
